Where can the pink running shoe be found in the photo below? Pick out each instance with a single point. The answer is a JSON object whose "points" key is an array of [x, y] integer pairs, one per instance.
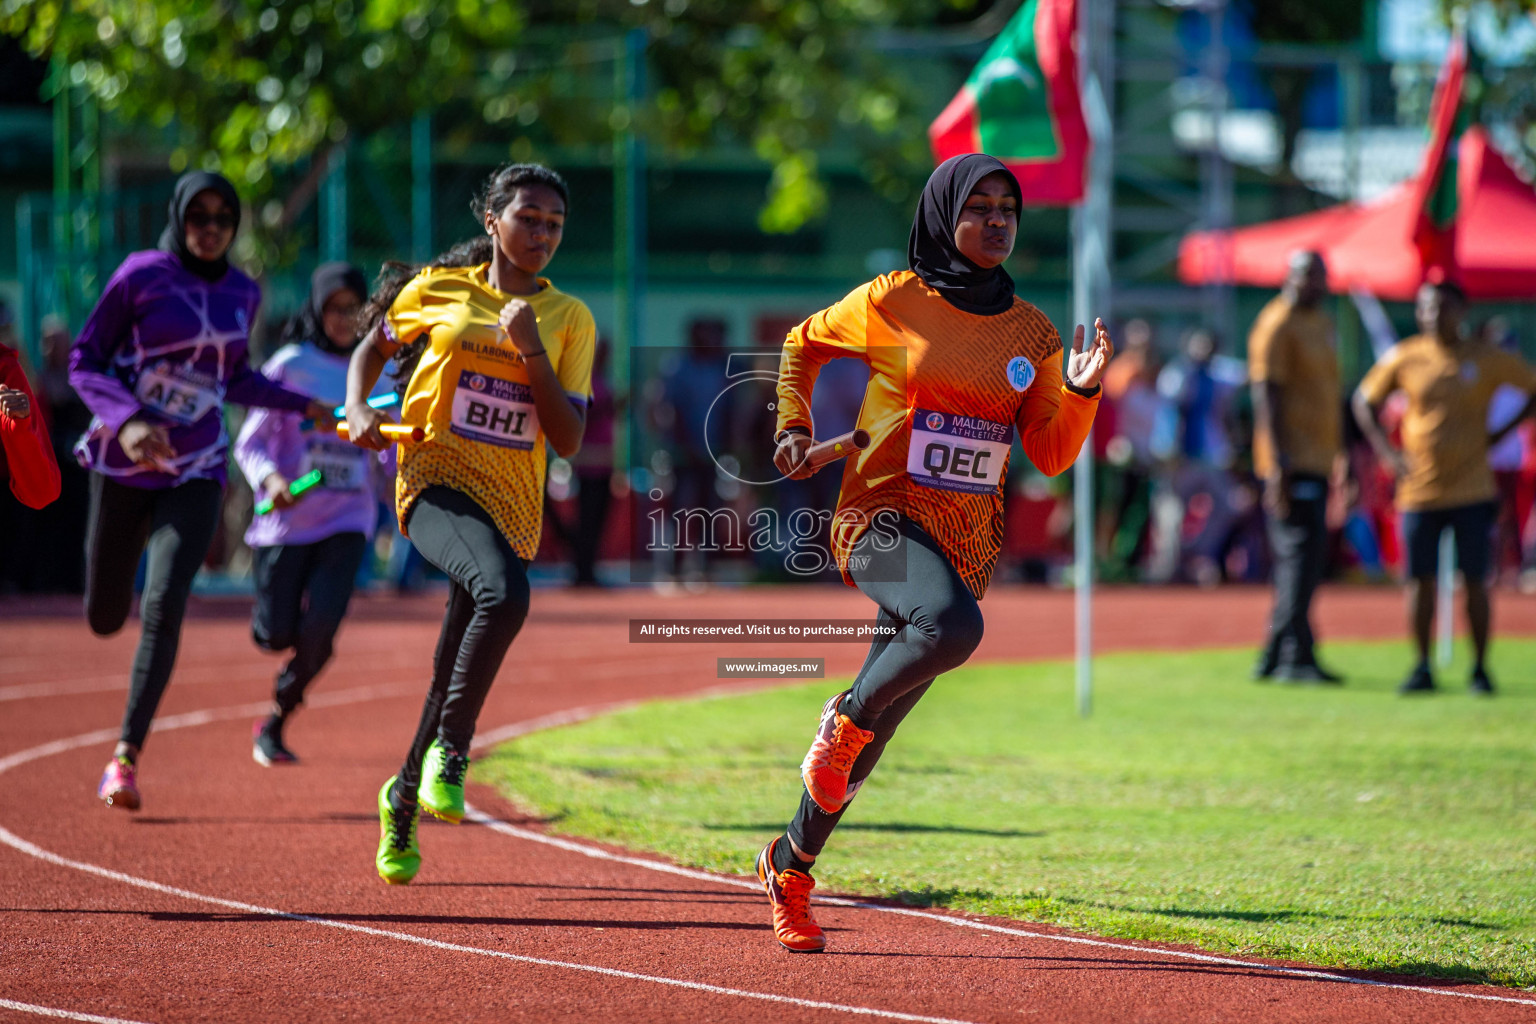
{"points": [[119, 785], [836, 746]]}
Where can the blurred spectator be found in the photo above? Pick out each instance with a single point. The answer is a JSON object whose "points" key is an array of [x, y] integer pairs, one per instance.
{"points": [[1133, 451], [61, 532], [591, 475], [1195, 524], [1368, 530], [686, 413], [1444, 481], [1297, 436], [1507, 459]]}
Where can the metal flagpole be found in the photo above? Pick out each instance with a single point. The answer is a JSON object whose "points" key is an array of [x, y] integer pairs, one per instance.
{"points": [[629, 223], [1445, 597], [1091, 292]]}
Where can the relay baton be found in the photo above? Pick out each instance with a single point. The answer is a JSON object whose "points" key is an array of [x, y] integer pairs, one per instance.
{"points": [[295, 488], [396, 432], [383, 401], [840, 447]]}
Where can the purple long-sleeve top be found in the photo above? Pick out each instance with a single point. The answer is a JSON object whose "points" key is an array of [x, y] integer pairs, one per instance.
{"points": [[170, 347], [352, 478]]}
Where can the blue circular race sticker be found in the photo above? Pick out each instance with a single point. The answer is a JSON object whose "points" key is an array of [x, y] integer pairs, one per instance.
{"points": [[1021, 373]]}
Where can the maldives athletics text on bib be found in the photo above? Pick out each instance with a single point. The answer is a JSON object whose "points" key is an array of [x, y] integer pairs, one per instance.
{"points": [[958, 453], [494, 411]]}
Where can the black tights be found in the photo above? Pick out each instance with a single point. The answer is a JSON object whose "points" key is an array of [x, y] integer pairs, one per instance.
{"points": [[940, 623], [487, 602], [176, 525], [302, 593]]}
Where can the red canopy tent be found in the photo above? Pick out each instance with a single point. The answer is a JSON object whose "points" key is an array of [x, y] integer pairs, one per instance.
{"points": [[1371, 246]]}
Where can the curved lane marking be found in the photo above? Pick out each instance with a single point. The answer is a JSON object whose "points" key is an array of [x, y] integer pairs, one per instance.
{"points": [[205, 717], [50, 1011], [505, 828], [575, 715]]}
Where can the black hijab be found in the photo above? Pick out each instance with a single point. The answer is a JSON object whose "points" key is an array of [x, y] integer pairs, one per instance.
{"points": [[327, 280], [174, 238], [931, 250]]}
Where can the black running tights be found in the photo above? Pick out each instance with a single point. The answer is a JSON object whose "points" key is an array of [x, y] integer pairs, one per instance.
{"points": [[940, 624], [175, 525], [487, 602], [302, 593]]}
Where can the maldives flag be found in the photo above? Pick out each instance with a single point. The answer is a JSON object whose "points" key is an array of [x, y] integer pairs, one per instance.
{"points": [[1434, 233], [1022, 105]]}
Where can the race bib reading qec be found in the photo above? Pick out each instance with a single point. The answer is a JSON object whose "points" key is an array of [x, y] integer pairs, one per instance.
{"points": [[495, 411], [958, 453], [178, 392]]}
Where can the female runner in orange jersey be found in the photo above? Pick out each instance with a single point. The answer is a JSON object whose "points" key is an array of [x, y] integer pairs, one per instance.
{"points": [[956, 362]]}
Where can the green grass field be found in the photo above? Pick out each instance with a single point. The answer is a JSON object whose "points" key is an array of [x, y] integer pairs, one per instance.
{"points": [[1345, 827]]}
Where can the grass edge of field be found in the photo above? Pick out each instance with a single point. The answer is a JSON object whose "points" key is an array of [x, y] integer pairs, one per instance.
{"points": [[1046, 911]]}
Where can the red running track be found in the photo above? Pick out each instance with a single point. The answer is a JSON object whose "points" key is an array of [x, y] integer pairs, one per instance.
{"points": [[243, 893]]}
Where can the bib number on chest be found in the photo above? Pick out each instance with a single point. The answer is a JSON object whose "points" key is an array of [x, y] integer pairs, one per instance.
{"points": [[957, 453], [343, 467], [178, 392], [495, 411]]}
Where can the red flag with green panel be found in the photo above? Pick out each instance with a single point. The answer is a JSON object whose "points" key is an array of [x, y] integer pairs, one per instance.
{"points": [[1022, 104], [1435, 189]]}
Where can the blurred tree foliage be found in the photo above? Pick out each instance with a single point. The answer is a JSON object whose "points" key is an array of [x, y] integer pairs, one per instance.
{"points": [[262, 90], [1300, 21]]}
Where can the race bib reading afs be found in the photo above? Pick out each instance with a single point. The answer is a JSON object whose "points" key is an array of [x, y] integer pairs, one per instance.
{"points": [[342, 466], [178, 392], [495, 411], [958, 453]]}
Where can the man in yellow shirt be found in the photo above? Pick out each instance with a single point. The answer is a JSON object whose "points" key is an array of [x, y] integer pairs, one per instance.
{"points": [[1296, 438], [1443, 479]]}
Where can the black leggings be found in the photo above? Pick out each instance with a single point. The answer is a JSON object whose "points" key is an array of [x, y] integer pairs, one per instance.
{"points": [[487, 602], [940, 623], [177, 525], [302, 592]]}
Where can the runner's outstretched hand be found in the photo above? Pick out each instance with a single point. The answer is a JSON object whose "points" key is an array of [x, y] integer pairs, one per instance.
{"points": [[1084, 369]]}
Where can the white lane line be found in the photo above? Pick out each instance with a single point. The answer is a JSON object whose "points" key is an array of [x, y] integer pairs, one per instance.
{"points": [[204, 717], [193, 718], [49, 1011], [211, 675], [11, 839], [479, 817]]}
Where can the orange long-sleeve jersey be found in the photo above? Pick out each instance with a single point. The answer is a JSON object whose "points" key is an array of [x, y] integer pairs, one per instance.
{"points": [[946, 390]]}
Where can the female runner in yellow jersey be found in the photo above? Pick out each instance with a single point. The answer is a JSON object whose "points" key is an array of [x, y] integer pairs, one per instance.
{"points": [[957, 362], [494, 360]]}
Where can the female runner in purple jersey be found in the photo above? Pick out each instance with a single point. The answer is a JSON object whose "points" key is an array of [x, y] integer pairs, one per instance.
{"points": [[164, 349]]}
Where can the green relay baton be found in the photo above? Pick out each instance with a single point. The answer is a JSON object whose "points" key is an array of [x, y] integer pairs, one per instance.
{"points": [[298, 487]]}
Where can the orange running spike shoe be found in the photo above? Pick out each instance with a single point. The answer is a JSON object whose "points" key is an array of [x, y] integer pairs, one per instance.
{"points": [[790, 894], [830, 759]]}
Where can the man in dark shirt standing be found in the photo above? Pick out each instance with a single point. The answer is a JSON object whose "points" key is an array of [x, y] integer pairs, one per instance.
{"points": [[1297, 437]]}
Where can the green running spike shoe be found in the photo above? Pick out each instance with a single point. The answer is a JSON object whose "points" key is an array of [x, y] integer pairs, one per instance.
{"points": [[399, 857], [442, 782]]}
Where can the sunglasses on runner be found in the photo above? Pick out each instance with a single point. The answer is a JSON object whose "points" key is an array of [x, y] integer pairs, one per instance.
{"points": [[201, 219]]}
